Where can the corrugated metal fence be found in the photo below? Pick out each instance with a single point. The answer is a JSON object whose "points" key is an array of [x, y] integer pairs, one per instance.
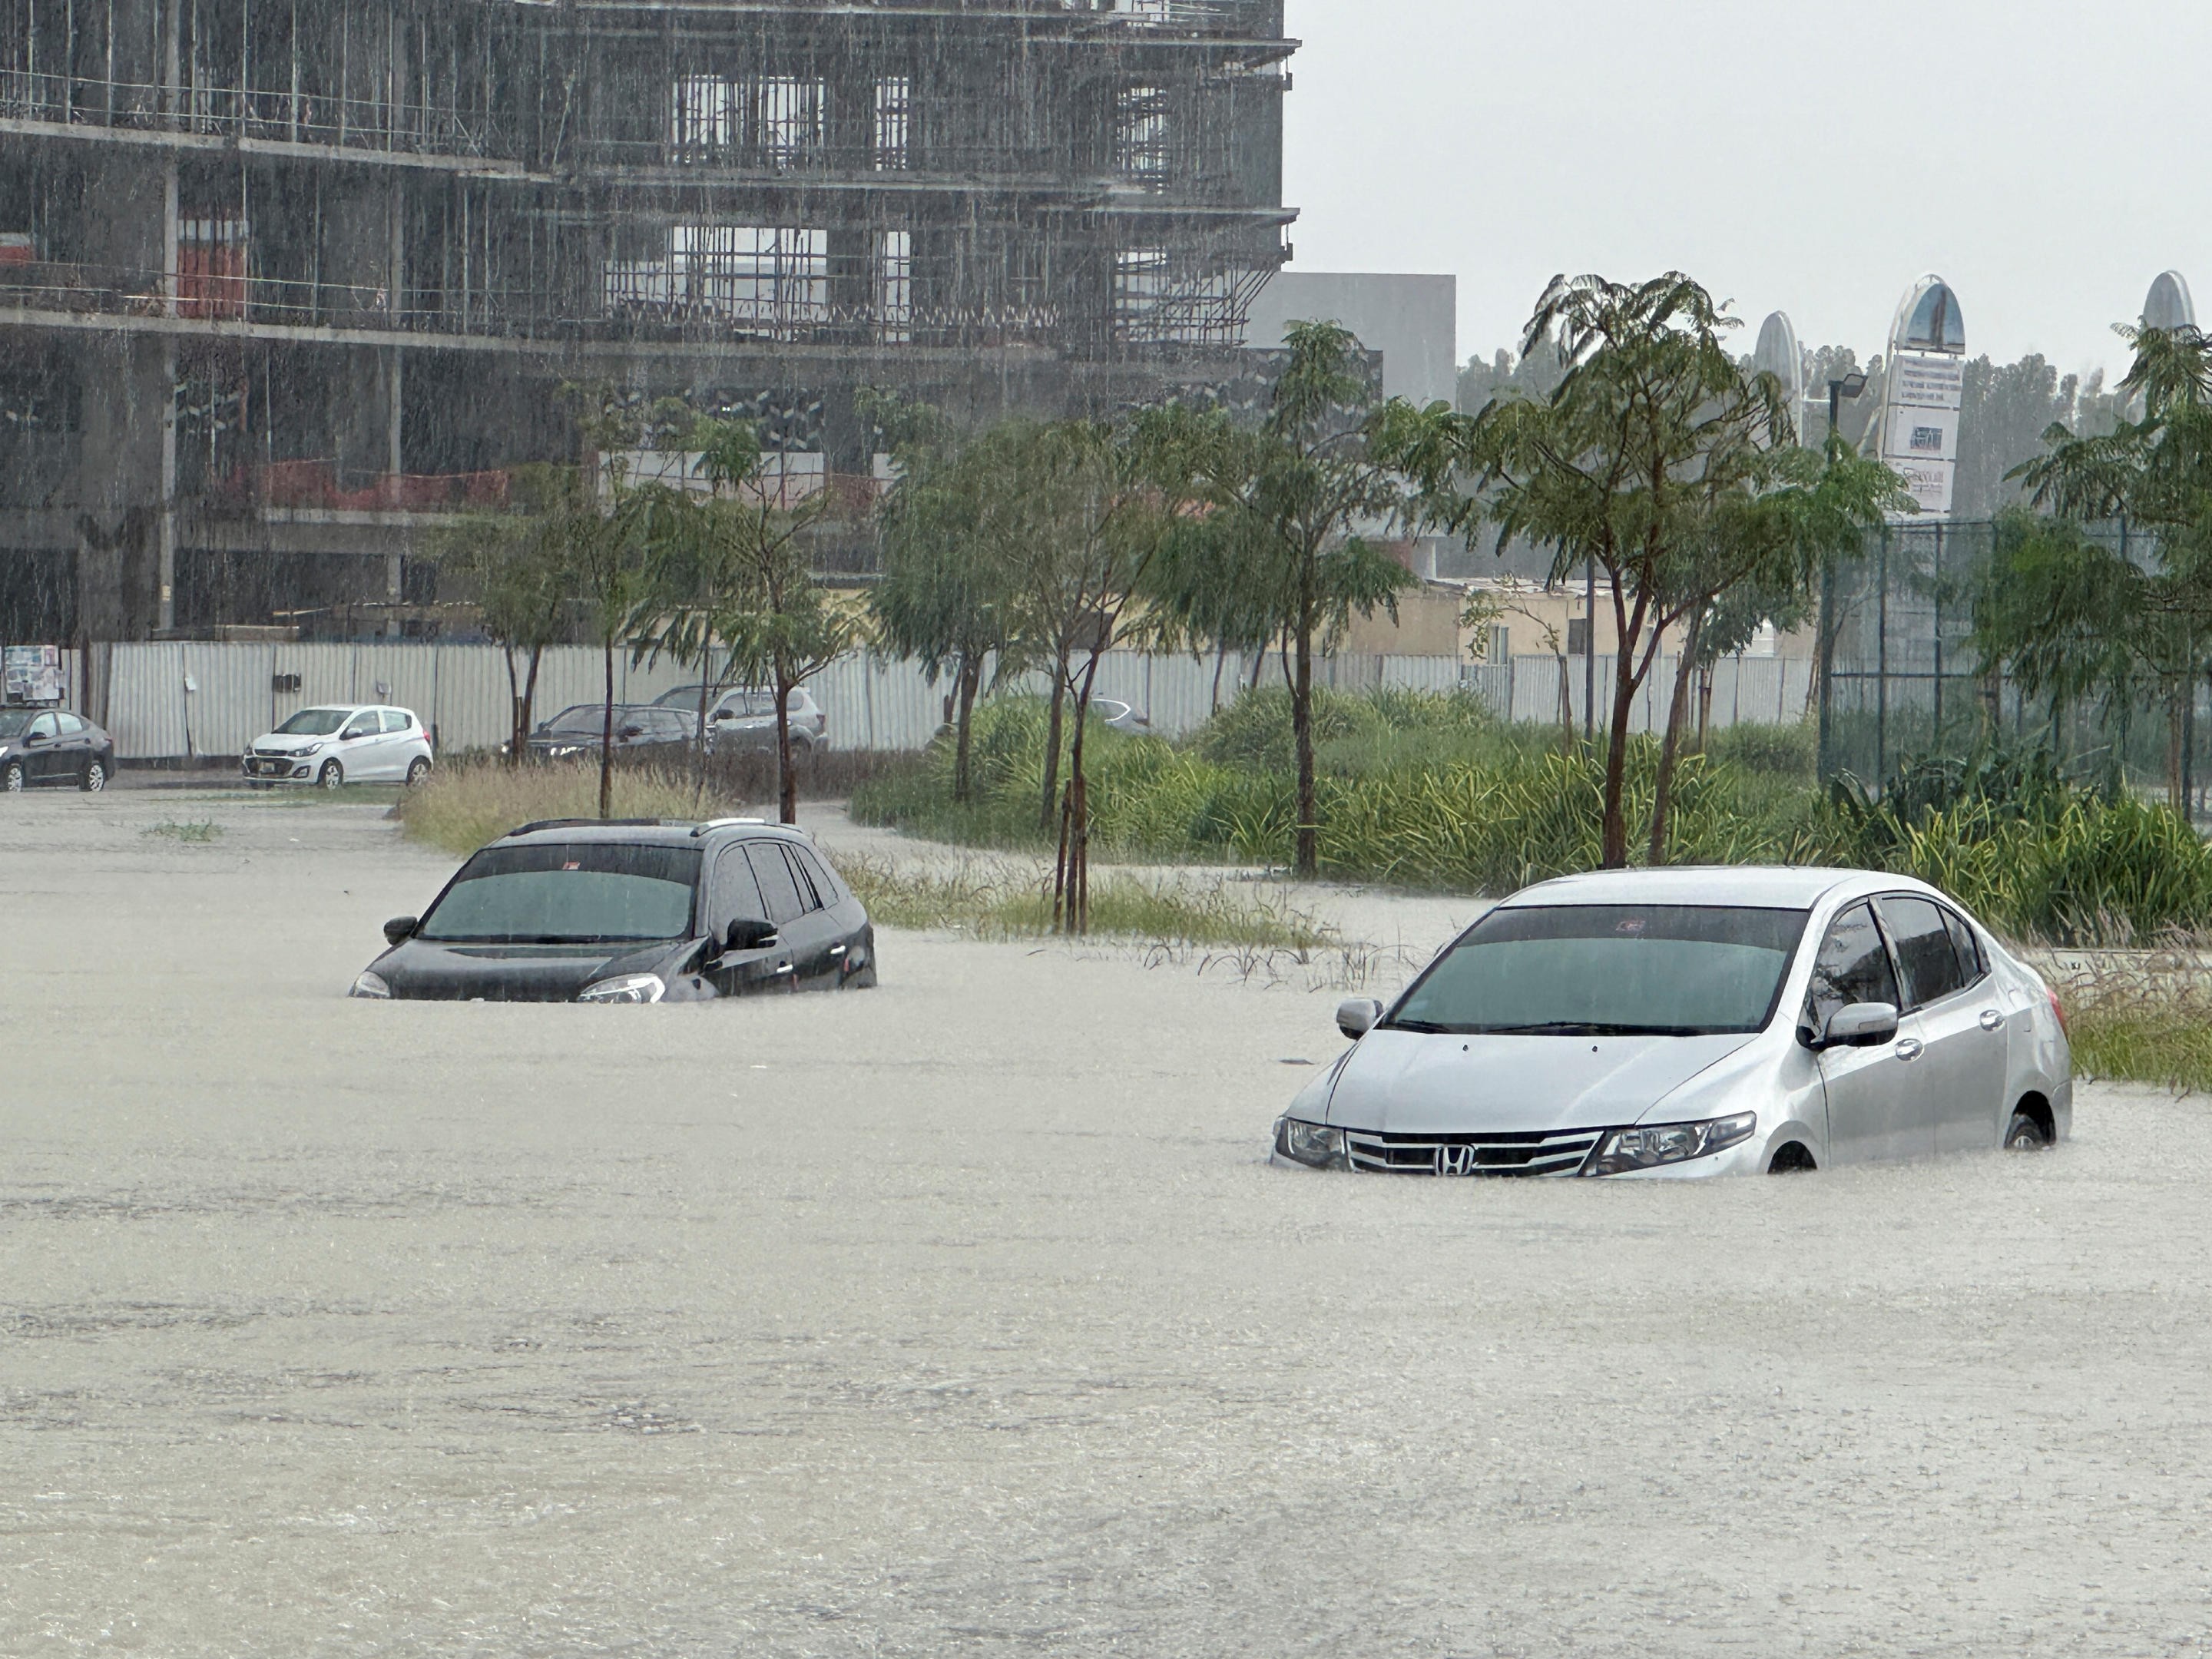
{"points": [[176, 700]]}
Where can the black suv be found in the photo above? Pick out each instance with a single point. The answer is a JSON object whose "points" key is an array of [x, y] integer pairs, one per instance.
{"points": [[631, 910]]}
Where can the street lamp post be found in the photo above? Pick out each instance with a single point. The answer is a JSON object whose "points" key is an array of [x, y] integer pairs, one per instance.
{"points": [[1848, 386]]}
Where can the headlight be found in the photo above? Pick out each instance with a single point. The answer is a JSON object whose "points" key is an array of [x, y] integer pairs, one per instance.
{"points": [[1670, 1143], [630, 988], [370, 985], [1316, 1144]]}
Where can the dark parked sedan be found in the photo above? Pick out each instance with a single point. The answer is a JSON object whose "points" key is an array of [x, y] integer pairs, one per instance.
{"points": [[638, 911], [51, 746], [642, 733]]}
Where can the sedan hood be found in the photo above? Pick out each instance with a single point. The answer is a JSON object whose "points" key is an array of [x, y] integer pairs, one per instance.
{"points": [[1421, 1082], [424, 971]]}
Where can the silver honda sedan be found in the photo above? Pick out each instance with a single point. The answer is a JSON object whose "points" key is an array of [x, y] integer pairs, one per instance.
{"points": [[1696, 1023]]}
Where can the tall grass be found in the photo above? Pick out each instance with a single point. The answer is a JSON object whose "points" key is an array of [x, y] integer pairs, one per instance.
{"points": [[464, 806], [990, 900]]}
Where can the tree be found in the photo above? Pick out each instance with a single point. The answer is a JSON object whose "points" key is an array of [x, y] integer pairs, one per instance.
{"points": [[693, 575], [2120, 618], [1653, 436], [778, 625], [519, 564], [1079, 527], [1284, 505], [602, 533], [946, 598]]}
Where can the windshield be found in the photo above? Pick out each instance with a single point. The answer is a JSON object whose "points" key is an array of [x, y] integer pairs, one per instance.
{"points": [[13, 720], [314, 722], [587, 893], [1607, 971]]}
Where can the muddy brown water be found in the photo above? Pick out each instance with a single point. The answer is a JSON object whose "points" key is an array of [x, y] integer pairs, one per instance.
{"points": [[965, 1316]]}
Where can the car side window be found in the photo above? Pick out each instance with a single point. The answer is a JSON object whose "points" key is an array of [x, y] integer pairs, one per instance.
{"points": [[1853, 966], [825, 886], [397, 720], [45, 726], [360, 726], [778, 885], [737, 891], [1971, 965], [69, 724], [1924, 955]]}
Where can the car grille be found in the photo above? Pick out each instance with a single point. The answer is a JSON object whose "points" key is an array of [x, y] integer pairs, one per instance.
{"points": [[1560, 1153], [275, 754]]}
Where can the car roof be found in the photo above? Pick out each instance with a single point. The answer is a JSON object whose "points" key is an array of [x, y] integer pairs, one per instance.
{"points": [[648, 832], [1780, 887]]}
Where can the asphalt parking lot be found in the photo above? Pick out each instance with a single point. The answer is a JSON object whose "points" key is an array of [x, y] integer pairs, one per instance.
{"points": [[965, 1316]]}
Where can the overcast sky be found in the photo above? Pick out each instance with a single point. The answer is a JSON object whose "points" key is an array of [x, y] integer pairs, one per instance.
{"points": [[2048, 159]]}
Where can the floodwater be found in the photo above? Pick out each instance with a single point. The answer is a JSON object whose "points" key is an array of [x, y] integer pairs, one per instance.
{"points": [[965, 1316]]}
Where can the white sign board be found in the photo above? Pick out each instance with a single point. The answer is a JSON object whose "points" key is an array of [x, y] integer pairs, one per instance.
{"points": [[1926, 382], [1920, 424], [32, 673]]}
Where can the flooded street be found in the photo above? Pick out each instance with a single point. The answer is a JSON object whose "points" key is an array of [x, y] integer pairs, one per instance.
{"points": [[966, 1316]]}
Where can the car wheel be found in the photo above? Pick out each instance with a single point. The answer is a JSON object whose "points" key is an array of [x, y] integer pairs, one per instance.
{"points": [[13, 778], [96, 777], [418, 769], [2025, 1134], [331, 775], [1792, 1159]]}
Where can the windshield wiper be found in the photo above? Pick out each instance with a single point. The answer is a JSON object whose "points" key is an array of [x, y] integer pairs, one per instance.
{"points": [[1579, 1028], [1428, 1026]]}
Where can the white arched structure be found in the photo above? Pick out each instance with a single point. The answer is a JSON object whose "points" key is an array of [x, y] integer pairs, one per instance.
{"points": [[1923, 380]]}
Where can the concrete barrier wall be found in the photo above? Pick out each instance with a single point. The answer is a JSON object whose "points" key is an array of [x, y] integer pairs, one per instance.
{"points": [[170, 701]]}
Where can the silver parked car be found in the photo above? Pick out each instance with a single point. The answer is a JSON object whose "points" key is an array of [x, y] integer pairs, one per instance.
{"points": [[1696, 1023]]}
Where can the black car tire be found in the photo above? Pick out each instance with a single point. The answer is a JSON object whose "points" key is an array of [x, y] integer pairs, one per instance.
{"points": [[331, 775], [418, 769], [93, 777], [2025, 1134], [14, 779]]}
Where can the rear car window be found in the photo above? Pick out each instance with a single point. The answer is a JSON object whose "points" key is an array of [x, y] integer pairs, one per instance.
{"points": [[1924, 956], [778, 885]]}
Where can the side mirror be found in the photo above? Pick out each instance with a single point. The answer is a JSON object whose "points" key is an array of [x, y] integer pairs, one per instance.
{"points": [[747, 934], [1861, 1025], [726, 713], [400, 927], [1356, 1016]]}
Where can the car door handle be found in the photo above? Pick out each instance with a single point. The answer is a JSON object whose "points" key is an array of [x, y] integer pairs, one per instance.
{"points": [[782, 967], [1908, 1049], [1991, 1020], [837, 950]]}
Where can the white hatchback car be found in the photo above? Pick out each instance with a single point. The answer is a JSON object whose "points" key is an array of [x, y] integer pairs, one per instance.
{"points": [[341, 742], [1691, 1023]]}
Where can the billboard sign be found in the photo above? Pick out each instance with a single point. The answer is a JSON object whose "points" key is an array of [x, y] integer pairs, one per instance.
{"points": [[1924, 383], [32, 673]]}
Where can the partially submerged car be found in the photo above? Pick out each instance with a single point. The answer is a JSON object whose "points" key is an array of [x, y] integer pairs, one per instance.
{"points": [[1696, 1023], [631, 910]]}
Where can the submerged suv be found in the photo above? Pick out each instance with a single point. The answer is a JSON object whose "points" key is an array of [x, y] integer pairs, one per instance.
{"points": [[631, 910]]}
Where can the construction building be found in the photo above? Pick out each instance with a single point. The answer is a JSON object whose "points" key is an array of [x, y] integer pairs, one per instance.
{"points": [[285, 286]]}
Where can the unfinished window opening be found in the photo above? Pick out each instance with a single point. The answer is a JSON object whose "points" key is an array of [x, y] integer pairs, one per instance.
{"points": [[783, 118], [1140, 135], [894, 285], [703, 120], [764, 278], [893, 118], [211, 270], [1157, 302]]}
